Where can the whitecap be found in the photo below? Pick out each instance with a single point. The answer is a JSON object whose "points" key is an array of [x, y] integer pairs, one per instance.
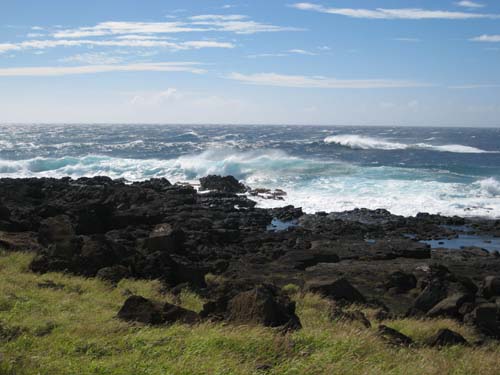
{"points": [[360, 142]]}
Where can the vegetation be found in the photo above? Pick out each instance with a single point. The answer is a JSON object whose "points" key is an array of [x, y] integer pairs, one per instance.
{"points": [[59, 324]]}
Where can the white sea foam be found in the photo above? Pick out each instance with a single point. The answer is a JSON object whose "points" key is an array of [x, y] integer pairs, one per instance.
{"points": [[490, 186], [356, 141], [315, 185]]}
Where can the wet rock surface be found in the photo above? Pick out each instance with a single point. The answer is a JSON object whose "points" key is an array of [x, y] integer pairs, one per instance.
{"points": [[156, 230]]}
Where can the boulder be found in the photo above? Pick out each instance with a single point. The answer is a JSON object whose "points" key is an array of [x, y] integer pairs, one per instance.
{"points": [[450, 306], [263, 305], [401, 282], [394, 337], [142, 310], [226, 184], [165, 238], [113, 274], [55, 229], [339, 290], [485, 318], [491, 286], [337, 314], [432, 294], [446, 337]]}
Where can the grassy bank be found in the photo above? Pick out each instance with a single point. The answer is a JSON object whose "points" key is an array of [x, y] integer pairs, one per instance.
{"points": [[58, 324]]}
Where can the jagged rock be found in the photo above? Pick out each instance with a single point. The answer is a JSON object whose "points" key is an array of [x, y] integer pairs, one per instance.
{"points": [[142, 310], [446, 337], [165, 238], [22, 241], [450, 306], [340, 290], [263, 305], [401, 282], [55, 229], [485, 318], [226, 184], [349, 316], [113, 274], [302, 259], [394, 337], [491, 286]]}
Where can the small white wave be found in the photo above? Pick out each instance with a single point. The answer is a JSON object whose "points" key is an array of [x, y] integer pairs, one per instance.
{"points": [[360, 142]]}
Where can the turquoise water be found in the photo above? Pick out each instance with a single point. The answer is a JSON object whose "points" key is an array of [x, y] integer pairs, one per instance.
{"points": [[453, 171]]}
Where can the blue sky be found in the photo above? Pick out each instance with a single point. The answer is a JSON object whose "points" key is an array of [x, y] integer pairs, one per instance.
{"points": [[339, 62]]}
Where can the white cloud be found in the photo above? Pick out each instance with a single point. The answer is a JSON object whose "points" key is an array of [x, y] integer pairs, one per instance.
{"points": [[218, 17], [34, 35], [299, 81], [190, 67], [99, 58], [324, 48], [43, 44], [298, 51], [469, 4], [235, 23], [391, 14], [487, 38], [120, 28], [408, 40], [475, 86], [257, 55]]}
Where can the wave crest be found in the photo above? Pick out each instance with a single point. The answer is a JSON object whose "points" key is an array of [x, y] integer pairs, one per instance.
{"points": [[361, 142]]}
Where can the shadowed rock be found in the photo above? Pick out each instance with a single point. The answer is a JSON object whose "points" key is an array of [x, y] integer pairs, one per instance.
{"points": [[263, 305], [491, 286], [142, 310], [394, 337], [401, 282], [446, 337], [349, 316], [227, 184], [340, 290], [113, 274]]}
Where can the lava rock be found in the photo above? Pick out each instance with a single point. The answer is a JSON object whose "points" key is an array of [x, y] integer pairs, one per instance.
{"points": [[226, 184], [142, 310], [113, 274], [401, 282], [263, 305], [350, 316], [55, 229], [491, 286], [339, 290], [165, 238], [446, 337], [394, 337]]}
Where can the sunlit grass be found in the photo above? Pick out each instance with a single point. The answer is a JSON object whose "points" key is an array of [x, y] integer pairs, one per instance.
{"points": [[71, 328]]}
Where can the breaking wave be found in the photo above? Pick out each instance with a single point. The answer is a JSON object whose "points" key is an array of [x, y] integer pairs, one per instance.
{"points": [[360, 142], [314, 185]]}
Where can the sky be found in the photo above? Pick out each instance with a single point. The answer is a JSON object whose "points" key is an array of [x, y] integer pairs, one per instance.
{"points": [[335, 62]]}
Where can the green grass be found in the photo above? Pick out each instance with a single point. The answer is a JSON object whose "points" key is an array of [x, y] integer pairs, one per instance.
{"points": [[73, 330]]}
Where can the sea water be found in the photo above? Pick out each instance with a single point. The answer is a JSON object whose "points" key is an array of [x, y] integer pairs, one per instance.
{"points": [[452, 171]]}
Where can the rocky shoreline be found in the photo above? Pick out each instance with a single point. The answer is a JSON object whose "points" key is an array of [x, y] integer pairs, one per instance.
{"points": [[218, 243]]}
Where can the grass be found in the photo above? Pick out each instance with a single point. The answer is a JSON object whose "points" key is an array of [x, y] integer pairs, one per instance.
{"points": [[70, 328]]}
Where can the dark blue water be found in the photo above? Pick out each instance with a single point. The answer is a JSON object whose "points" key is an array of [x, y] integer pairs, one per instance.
{"points": [[405, 170]]}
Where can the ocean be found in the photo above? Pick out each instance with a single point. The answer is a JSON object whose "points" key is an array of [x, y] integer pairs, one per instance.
{"points": [[451, 171]]}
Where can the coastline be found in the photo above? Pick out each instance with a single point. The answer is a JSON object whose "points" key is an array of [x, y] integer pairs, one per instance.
{"points": [[366, 266]]}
